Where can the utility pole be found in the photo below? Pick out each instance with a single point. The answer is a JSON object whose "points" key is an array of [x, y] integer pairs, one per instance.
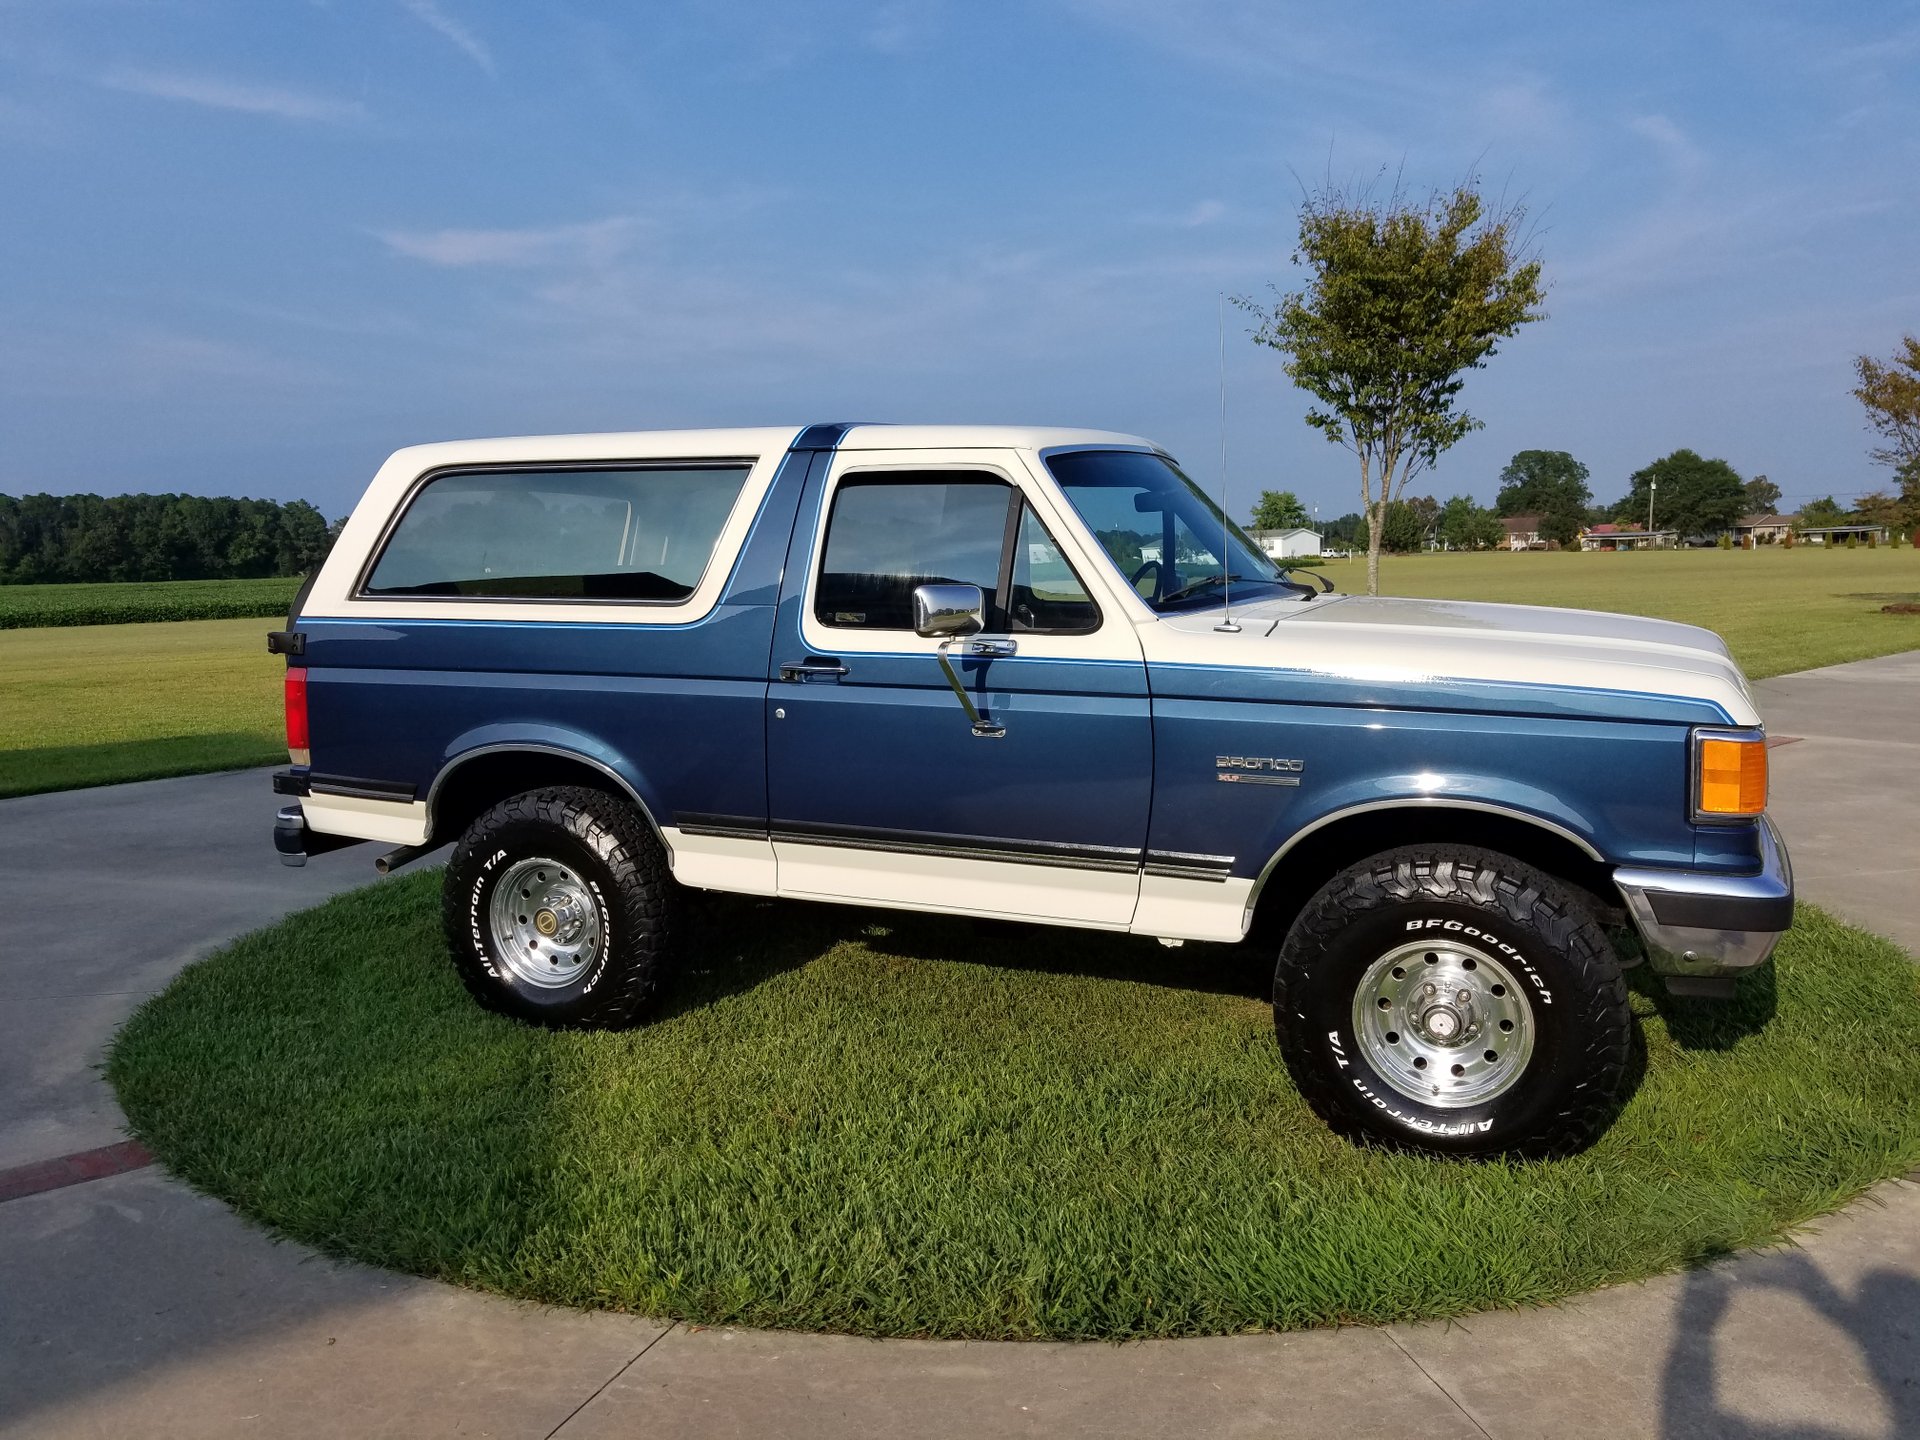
{"points": [[1652, 486]]}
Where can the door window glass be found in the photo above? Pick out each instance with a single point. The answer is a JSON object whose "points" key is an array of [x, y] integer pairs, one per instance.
{"points": [[643, 534], [889, 534], [1045, 595]]}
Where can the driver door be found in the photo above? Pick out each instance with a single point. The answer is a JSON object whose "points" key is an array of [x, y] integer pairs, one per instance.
{"points": [[879, 789]]}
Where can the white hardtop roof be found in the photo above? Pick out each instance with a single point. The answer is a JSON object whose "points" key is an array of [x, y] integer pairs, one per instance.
{"points": [[980, 437], [650, 444]]}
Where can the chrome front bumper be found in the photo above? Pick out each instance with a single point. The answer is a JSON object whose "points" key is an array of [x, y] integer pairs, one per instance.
{"points": [[1705, 927]]}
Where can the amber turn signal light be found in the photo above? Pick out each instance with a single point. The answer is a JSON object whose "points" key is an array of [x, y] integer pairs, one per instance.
{"points": [[1730, 778]]}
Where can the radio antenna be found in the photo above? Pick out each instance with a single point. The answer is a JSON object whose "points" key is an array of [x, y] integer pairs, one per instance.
{"points": [[1226, 562]]}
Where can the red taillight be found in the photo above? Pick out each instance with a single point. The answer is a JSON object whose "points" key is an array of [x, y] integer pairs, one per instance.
{"points": [[297, 713]]}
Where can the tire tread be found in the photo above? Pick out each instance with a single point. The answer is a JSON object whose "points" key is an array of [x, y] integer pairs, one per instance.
{"points": [[641, 897], [1525, 896]]}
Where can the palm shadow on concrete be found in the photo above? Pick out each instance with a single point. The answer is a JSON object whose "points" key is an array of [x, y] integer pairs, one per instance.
{"points": [[1879, 1317]]}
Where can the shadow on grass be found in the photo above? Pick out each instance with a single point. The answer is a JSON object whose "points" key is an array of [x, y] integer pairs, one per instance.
{"points": [[1697, 1024], [73, 767], [745, 942]]}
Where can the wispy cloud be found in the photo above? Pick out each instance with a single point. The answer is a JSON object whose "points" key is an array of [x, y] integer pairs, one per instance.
{"points": [[1686, 158], [902, 27], [595, 241], [428, 13], [217, 93], [1193, 217]]}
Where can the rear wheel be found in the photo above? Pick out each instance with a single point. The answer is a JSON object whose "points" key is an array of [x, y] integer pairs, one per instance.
{"points": [[557, 906], [1453, 1000]]}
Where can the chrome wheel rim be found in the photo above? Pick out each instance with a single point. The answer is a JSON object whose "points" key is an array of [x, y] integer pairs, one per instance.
{"points": [[1445, 1024], [546, 927]]}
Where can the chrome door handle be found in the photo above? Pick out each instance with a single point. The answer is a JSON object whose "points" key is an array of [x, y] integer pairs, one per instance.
{"points": [[808, 668]]}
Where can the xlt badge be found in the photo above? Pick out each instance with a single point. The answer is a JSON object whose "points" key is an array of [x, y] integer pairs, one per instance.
{"points": [[1258, 769]]}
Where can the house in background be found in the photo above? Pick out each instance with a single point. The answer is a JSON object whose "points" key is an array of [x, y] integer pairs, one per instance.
{"points": [[1620, 537], [1287, 544], [1523, 532], [1859, 531], [1765, 529]]}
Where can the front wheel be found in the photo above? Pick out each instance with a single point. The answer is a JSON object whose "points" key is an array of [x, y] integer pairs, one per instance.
{"points": [[1453, 1000], [557, 906]]}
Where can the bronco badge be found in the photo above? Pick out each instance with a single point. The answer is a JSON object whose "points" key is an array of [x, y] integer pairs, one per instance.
{"points": [[1258, 769]]}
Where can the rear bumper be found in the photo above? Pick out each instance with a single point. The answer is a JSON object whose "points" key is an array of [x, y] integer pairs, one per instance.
{"points": [[1699, 926], [295, 842]]}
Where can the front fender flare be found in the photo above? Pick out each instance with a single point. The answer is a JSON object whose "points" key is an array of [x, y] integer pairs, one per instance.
{"points": [[1514, 802]]}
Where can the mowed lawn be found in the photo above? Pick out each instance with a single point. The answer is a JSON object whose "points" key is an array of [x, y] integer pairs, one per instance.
{"points": [[97, 704], [916, 1125], [1777, 609]]}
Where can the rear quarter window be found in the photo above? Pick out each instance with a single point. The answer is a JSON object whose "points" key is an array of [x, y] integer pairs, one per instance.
{"points": [[628, 533]]}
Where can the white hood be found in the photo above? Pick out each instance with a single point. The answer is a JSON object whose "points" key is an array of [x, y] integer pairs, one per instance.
{"points": [[1387, 638]]}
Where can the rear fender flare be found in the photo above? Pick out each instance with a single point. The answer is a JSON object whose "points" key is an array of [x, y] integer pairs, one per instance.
{"points": [[545, 740]]}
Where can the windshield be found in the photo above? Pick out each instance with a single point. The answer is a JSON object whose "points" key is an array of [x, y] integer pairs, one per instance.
{"points": [[1157, 526]]}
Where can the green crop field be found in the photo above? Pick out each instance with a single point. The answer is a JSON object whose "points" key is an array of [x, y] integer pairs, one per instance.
{"points": [[24, 606], [104, 703], [99, 704], [1777, 609]]}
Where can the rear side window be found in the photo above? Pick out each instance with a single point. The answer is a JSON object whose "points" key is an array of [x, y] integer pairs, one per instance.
{"points": [[629, 533], [890, 534]]}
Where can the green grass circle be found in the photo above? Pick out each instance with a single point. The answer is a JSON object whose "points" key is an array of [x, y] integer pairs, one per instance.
{"points": [[904, 1125]]}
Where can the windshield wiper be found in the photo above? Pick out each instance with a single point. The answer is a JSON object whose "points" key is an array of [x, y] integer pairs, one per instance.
{"points": [[1199, 585]]}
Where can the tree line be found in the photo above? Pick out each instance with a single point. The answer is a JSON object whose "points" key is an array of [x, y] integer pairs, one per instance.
{"points": [[61, 538], [1683, 492]]}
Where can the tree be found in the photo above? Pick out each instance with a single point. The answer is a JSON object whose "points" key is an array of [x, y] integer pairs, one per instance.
{"points": [[1562, 527], [1890, 390], [1487, 532], [45, 538], [1346, 530], [1550, 484], [1403, 297], [307, 538], [1879, 508], [1426, 510], [1543, 482], [1822, 512], [1405, 533], [1763, 496], [1278, 510], [1465, 526], [1693, 495]]}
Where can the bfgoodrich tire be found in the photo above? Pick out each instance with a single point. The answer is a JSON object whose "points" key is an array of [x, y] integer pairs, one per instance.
{"points": [[1453, 1000], [558, 908]]}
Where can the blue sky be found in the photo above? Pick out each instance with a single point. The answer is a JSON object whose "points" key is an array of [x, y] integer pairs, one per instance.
{"points": [[253, 247]]}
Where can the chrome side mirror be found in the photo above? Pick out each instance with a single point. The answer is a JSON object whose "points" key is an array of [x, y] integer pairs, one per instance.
{"points": [[948, 613]]}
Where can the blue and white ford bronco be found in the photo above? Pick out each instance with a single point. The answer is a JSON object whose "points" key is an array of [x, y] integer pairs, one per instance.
{"points": [[1034, 675]]}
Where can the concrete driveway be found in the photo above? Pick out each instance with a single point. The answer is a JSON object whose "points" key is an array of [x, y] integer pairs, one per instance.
{"points": [[1846, 788], [131, 1306]]}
